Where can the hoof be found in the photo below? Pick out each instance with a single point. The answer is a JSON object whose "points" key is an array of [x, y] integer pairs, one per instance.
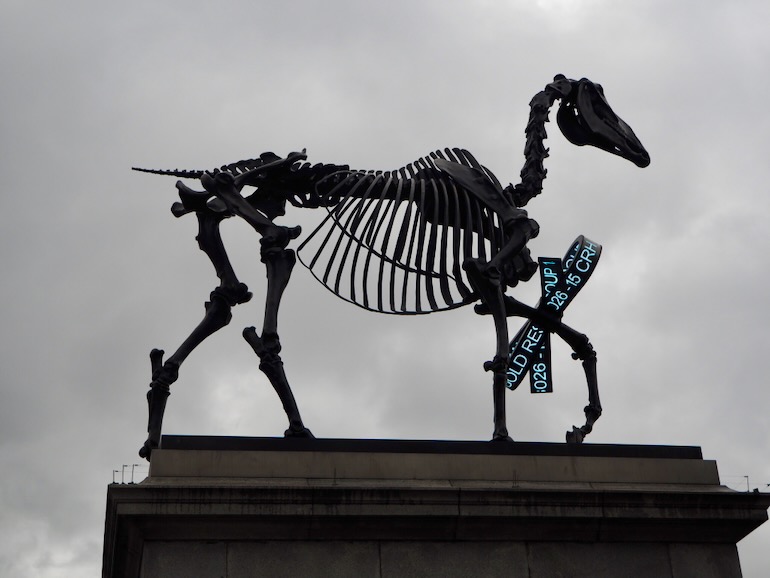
{"points": [[576, 436], [502, 438], [298, 433], [146, 450]]}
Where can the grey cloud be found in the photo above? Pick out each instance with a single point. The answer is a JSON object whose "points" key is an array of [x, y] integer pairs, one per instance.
{"points": [[97, 271]]}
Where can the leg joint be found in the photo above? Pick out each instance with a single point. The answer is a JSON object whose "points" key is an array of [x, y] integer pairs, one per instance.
{"points": [[276, 239], [498, 365], [582, 348], [164, 376], [267, 346], [232, 294], [592, 412]]}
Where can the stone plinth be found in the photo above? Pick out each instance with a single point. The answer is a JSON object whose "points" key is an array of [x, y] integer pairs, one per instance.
{"points": [[246, 507]]}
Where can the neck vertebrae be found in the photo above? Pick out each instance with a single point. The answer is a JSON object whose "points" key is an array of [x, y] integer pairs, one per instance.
{"points": [[533, 173]]}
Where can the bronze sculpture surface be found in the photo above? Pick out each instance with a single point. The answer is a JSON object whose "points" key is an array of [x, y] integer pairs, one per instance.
{"points": [[437, 234]]}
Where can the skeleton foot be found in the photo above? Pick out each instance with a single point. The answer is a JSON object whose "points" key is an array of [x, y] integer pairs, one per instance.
{"points": [[156, 402], [578, 434], [163, 375], [146, 450], [267, 347], [298, 432], [499, 366]]}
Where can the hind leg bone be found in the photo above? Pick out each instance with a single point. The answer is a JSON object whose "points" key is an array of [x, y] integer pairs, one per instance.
{"points": [[218, 314], [279, 263]]}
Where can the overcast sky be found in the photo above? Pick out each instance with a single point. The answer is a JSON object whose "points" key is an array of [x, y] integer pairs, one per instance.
{"points": [[96, 270]]}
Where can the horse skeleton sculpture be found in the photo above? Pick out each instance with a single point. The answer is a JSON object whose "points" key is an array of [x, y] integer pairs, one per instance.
{"points": [[437, 234]]}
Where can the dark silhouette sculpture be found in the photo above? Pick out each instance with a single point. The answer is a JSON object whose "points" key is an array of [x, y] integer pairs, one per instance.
{"points": [[436, 234]]}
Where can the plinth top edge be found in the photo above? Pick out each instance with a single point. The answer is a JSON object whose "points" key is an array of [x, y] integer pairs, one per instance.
{"points": [[268, 444]]}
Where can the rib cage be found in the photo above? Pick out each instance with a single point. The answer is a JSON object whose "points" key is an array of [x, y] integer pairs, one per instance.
{"points": [[393, 242]]}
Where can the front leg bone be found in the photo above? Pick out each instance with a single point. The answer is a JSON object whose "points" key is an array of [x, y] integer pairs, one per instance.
{"points": [[593, 410], [580, 345], [489, 286]]}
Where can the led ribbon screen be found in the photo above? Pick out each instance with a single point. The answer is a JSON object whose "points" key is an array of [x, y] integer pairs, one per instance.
{"points": [[560, 281]]}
